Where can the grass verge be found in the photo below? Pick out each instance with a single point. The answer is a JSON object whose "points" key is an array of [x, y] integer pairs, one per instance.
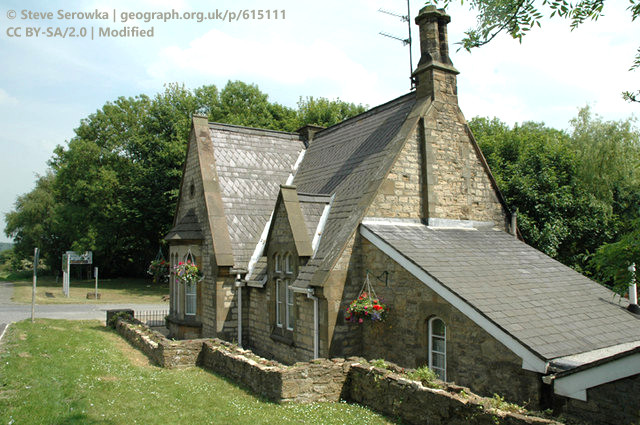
{"points": [[121, 290], [79, 372]]}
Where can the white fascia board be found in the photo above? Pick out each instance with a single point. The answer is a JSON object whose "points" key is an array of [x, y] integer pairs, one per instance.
{"points": [[530, 361], [575, 385], [295, 167], [259, 249], [320, 228]]}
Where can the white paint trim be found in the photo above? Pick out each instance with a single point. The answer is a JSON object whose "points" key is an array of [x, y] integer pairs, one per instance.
{"points": [[259, 249], [575, 385], [295, 167], [320, 229], [393, 221], [530, 361]]}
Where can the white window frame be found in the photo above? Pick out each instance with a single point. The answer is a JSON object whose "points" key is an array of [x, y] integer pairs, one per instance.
{"points": [[290, 302], [278, 302], [191, 299], [442, 373]]}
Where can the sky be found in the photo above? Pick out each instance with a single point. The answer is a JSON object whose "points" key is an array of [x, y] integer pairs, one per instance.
{"points": [[322, 49]]}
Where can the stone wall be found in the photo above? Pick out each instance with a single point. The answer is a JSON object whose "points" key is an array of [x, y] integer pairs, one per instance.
{"points": [[474, 358], [400, 195], [164, 352], [412, 403], [324, 380], [317, 381], [612, 403], [458, 184]]}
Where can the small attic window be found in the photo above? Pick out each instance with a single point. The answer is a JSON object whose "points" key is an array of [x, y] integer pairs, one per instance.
{"points": [[192, 189]]}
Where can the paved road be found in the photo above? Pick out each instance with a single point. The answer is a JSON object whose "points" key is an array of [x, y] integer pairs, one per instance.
{"points": [[10, 312]]}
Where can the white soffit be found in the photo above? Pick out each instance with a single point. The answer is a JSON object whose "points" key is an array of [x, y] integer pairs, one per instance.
{"points": [[575, 385]]}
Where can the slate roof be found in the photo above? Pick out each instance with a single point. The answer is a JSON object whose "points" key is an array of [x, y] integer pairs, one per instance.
{"points": [[547, 306], [188, 227], [347, 160], [251, 165], [312, 207]]}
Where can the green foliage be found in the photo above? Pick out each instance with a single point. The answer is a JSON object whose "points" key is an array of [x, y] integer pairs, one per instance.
{"points": [[426, 376], [518, 17], [611, 261], [379, 363], [325, 112], [575, 192], [498, 402], [113, 188], [119, 315]]}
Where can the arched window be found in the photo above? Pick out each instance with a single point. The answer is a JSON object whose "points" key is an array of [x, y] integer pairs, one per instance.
{"points": [[277, 266], [438, 347], [288, 265]]}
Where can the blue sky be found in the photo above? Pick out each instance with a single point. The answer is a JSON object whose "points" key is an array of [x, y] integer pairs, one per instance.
{"points": [[330, 49]]}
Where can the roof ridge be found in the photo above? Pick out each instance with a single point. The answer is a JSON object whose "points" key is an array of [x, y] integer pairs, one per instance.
{"points": [[366, 113], [213, 124]]}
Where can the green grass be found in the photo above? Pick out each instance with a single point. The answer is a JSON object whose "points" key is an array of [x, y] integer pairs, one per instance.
{"points": [[63, 372], [121, 290]]}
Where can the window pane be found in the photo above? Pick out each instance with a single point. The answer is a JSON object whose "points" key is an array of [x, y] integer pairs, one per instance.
{"points": [[440, 373], [437, 360], [437, 327], [190, 291], [278, 303], [277, 262], [438, 344]]}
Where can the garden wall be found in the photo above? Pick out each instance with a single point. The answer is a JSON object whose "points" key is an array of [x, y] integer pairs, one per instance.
{"points": [[164, 352], [384, 390]]}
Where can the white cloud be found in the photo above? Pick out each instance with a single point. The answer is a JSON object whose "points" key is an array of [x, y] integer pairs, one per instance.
{"points": [[7, 99], [218, 55]]}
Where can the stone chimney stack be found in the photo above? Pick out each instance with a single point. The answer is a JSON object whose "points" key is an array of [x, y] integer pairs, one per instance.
{"points": [[435, 75]]}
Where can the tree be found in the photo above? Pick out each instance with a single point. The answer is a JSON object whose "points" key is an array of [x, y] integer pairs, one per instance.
{"points": [[536, 170], [33, 222], [325, 112], [518, 17], [611, 261]]}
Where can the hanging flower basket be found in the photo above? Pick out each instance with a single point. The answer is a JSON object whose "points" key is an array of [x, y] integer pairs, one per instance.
{"points": [[188, 272], [159, 269], [367, 306]]}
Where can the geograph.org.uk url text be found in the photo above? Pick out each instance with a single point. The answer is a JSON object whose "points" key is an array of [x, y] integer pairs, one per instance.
{"points": [[224, 15]]}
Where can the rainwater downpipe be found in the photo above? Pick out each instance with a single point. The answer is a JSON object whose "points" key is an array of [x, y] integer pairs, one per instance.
{"points": [[633, 291], [316, 332], [239, 285]]}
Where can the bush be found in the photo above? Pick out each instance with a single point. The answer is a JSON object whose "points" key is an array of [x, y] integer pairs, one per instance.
{"points": [[426, 376]]}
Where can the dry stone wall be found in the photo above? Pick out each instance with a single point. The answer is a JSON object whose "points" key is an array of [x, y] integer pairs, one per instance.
{"points": [[164, 352]]}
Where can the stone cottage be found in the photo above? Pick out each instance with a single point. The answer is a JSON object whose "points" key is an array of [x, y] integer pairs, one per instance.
{"points": [[287, 227]]}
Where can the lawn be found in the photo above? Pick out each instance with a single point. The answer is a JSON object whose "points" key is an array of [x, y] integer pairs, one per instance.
{"points": [[79, 372], [121, 290]]}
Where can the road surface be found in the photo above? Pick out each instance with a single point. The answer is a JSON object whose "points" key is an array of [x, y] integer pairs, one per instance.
{"points": [[11, 312]]}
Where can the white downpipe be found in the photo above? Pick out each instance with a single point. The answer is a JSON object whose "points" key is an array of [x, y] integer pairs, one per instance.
{"points": [[633, 290], [239, 288], [316, 332]]}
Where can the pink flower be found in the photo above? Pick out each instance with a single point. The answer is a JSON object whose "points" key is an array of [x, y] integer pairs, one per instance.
{"points": [[360, 320]]}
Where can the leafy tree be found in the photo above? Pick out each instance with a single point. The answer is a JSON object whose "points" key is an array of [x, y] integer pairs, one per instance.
{"points": [[33, 222], [611, 261], [325, 112], [536, 170], [518, 17]]}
